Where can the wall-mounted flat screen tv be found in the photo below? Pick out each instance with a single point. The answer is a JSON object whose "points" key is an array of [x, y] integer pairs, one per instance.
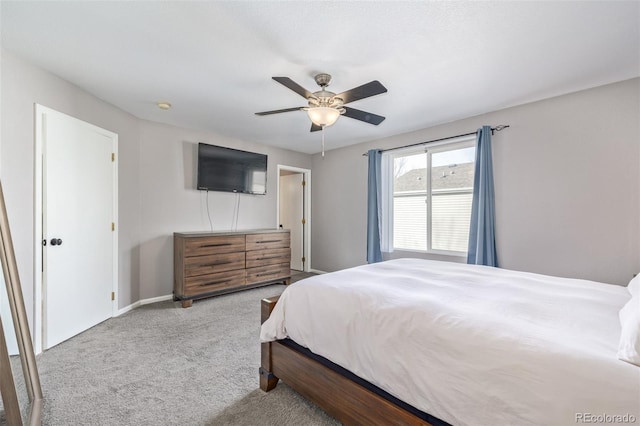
{"points": [[231, 170]]}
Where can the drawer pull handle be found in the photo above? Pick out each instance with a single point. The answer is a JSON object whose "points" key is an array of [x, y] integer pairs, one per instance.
{"points": [[270, 257], [214, 282], [268, 241], [216, 245], [216, 263], [266, 274]]}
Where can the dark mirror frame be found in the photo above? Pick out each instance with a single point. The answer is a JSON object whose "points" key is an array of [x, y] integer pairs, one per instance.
{"points": [[23, 335]]}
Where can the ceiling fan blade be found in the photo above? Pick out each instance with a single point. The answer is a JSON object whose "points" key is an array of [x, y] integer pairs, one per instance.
{"points": [[367, 117], [366, 90], [287, 82], [315, 127], [278, 111]]}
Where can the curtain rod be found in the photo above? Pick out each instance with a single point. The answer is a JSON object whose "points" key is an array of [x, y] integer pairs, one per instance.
{"points": [[493, 129]]}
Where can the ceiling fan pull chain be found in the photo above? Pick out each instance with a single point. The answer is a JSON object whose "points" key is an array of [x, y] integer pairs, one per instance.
{"points": [[323, 141]]}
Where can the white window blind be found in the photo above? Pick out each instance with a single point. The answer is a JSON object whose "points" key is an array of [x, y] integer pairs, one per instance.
{"points": [[450, 223], [409, 224]]}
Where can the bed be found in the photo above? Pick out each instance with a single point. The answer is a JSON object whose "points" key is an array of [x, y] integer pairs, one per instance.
{"points": [[413, 341]]}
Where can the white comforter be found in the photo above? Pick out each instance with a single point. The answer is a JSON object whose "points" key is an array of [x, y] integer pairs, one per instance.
{"points": [[471, 345]]}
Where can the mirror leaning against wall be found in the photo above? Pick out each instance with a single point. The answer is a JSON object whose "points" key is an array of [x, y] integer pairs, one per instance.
{"points": [[27, 378]]}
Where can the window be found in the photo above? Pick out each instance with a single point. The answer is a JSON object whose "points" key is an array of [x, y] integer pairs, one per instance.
{"points": [[429, 195]]}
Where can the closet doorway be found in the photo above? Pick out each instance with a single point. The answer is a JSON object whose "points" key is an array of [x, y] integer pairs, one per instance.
{"points": [[294, 207]]}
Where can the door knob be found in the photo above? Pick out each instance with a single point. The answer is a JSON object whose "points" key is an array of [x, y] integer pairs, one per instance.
{"points": [[56, 242]]}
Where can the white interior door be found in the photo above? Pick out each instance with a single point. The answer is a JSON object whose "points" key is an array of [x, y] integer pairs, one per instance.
{"points": [[292, 214], [78, 226]]}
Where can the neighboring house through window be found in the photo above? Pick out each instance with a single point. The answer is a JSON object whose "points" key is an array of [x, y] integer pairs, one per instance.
{"points": [[428, 197]]}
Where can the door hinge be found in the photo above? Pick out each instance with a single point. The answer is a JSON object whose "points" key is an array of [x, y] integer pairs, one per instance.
{"points": [[113, 295], [113, 226], [304, 259], [304, 221], [113, 156], [304, 183]]}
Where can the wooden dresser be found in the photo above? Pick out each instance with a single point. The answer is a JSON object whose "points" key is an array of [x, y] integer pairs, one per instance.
{"points": [[212, 263]]}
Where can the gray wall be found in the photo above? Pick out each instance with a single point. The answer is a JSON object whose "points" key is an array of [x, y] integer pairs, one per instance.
{"points": [[169, 203], [156, 168], [22, 86], [567, 181]]}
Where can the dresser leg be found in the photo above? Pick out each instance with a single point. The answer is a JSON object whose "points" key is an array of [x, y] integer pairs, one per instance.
{"points": [[187, 303]]}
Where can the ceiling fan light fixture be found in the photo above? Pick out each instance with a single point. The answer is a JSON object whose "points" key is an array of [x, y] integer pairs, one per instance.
{"points": [[323, 116]]}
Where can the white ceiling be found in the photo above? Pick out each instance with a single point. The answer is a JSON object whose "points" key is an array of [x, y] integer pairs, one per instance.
{"points": [[440, 61]]}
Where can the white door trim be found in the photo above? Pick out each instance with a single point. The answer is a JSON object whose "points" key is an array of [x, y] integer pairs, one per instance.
{"points": [[41, 113], [307, 209]]}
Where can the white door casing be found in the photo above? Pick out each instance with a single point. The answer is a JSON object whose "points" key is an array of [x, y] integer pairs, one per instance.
{"points": [[301, 234], [79, 208], [292, 215]]}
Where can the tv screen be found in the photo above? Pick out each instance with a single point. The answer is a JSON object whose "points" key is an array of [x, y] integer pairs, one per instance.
{"points": [[231, 170]]}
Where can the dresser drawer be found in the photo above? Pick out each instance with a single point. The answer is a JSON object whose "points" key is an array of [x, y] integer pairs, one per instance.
{"points": [[268, 257], [267, 273], [268, 241], [201, 284], [213, 245], [202, 265]]}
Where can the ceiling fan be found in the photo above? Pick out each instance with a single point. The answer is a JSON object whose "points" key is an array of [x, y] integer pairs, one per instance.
{"points": [[326, 107]]}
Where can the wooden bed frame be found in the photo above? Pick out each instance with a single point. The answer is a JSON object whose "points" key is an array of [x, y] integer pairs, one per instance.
{"points": [[342, 398]]}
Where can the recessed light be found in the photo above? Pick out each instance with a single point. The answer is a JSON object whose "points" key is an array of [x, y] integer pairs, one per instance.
{"points": [[164, 105]]}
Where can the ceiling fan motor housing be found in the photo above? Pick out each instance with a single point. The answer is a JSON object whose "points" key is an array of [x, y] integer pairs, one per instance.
{"points": [[324, 98]]}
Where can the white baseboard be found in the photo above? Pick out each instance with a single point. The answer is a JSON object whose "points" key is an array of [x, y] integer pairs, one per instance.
{"points": [[315, 271], [144, 302]]}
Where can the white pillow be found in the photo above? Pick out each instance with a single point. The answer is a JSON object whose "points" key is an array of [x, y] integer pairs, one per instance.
{"points": [[629, 346]]}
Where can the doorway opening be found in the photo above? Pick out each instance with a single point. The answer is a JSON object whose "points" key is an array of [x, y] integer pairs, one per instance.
{"points": [[294, 213]]}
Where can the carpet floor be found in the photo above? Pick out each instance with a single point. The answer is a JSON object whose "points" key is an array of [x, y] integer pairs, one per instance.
{"points": [[161, 364]]}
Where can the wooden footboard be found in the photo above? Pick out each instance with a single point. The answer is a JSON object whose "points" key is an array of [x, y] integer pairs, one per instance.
{"points": [[342, 398]]}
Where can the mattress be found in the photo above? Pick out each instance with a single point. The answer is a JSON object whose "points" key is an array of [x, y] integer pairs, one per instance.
{"points": [[468, 344]]}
